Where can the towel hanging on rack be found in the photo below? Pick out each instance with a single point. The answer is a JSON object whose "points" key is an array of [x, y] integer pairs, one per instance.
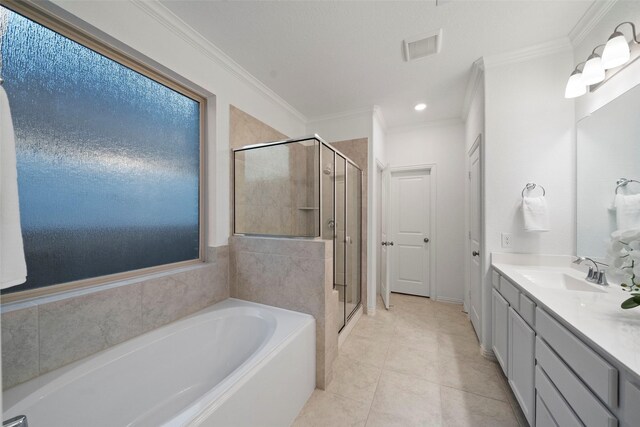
{"points": [[535, 210]]}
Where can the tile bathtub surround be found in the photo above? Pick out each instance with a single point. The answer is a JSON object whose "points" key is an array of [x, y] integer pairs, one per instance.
{"points": [[416, 365], [295, 274], [48, 333]]}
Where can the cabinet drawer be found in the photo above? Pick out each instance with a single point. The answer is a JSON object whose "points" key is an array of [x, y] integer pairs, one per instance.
{"points": [[553, 402], [584, 403], [527, 309], [599, 375], [510, 293], [495, 279]]}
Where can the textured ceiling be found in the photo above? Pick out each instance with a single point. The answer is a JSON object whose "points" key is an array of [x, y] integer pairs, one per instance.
{"points": [[327, 57]]}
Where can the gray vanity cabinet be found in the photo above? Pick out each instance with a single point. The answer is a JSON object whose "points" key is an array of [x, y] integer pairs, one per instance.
{"points": [[500, 329], [521, 356]]}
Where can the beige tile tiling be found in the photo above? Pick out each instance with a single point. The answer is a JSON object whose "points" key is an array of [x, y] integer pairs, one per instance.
{"points": [[417, 364], [327, 409], [413, 400], [468, 409], [354, 380]]}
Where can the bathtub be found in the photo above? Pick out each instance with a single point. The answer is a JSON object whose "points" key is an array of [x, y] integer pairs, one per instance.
{"points": [[235, 363]]}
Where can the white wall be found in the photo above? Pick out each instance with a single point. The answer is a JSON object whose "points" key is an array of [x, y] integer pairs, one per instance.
{"points": [[168, 42], [443, 145], [529, 137]]}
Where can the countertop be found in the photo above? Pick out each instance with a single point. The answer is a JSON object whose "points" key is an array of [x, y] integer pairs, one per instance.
{"points": [[596, 317]]}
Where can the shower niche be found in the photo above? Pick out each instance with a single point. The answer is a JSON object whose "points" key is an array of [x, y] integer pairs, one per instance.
{"points": [[304, 188]]}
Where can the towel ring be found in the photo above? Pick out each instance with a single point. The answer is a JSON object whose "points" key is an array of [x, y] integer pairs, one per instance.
{"points": [[622, 182], [531, 186]]}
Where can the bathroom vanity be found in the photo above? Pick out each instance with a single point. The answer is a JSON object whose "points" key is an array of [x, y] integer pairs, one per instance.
{"points": [[570, 353]]}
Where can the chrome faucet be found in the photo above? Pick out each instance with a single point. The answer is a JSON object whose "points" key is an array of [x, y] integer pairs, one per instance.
{"points": [[596, 275], [19, 421]]}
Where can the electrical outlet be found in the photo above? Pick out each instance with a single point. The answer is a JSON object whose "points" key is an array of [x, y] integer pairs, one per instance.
{"points": [[507, 240]]}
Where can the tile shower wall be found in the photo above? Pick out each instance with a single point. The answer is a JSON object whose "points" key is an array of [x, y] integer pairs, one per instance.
{"points": [[40, 336], [271, 205], [358, 151], [294, 274]]}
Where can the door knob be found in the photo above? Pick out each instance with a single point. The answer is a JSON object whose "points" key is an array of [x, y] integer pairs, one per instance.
{"points": [[475, 253], [426, 240]]}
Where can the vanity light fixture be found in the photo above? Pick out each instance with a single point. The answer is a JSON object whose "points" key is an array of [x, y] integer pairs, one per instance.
{"points": [[575, 86], [593, 71], [616, 51], [420, 107], [616, 55]]}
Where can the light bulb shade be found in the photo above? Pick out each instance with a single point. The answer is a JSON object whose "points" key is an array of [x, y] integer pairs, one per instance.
{"points": [[575, 86], [616, 52], [593, 71]]}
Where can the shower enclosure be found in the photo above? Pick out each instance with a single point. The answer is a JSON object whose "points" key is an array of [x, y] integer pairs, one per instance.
{"points": [[304, 188]]}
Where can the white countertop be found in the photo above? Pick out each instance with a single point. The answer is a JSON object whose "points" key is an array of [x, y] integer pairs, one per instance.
{"points": [[595, 316]]}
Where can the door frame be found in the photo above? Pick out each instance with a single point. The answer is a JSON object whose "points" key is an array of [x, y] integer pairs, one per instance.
{"points": [[432, 169], [477, 144], [380, 167]]}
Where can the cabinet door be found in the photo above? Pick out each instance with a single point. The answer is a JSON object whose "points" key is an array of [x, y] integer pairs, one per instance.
{"points": [[521, 343], [499, 328]]}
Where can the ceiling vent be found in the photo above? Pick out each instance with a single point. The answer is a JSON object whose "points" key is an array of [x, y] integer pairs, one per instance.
{"points": [[422, 46]]}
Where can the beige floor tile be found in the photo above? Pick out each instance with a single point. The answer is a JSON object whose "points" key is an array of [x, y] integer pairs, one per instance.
{"points": [[407, 400], [415, 337], [479, 378], [419, 362], [354, 380], [327, 409], [368, 351], [373, 327], [461, 409]]}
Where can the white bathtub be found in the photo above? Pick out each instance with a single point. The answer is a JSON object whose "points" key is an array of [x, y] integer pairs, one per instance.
{"points": [[233, 364]]}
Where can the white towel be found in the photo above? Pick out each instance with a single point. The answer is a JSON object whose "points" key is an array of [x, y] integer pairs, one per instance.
{"points": [[627, 211], [13, 269], [536, 214]]}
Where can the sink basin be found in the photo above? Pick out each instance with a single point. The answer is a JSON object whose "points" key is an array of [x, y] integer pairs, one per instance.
{"points": [[558, 280]]}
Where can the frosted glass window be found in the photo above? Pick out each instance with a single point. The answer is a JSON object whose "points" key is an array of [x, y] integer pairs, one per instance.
{"points": [[108, 159]]}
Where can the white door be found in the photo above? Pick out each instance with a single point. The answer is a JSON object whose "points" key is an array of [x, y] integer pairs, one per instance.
{"points": [[409, 232], [475, 291], [384, 237]]}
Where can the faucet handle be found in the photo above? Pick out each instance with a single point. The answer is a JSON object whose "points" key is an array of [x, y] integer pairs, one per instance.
{"points": [[591, 273], [602, 278]]}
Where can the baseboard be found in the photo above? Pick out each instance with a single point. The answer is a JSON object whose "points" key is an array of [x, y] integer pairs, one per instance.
{"points": [[449, 300], [487, 354], [371, 311], [342, 336]]}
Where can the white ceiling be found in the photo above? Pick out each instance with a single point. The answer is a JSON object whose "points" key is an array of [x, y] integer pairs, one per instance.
{"points": [[329, 57]]}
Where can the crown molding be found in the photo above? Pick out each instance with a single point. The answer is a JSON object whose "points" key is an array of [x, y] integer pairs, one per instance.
{"points": [[521, 55], [177, 26], [594, 14], [377, 112], [344, 114], [436, 123], [474, 82]]}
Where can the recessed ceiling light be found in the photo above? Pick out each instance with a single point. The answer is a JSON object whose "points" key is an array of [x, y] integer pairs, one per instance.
{"points": [[420, 107]]}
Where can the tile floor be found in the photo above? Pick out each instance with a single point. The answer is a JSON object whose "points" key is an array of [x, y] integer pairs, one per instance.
{"points": [[415, 365]]}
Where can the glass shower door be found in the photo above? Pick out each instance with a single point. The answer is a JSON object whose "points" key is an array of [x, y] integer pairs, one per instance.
{"points": [[339, 247], [353, 239]]}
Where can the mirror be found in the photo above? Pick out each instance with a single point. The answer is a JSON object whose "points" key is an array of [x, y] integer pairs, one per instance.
{"points": [[608, 149]]}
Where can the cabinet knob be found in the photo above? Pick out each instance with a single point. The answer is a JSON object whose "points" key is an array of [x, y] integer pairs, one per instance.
{"points": [[475, 253]]}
